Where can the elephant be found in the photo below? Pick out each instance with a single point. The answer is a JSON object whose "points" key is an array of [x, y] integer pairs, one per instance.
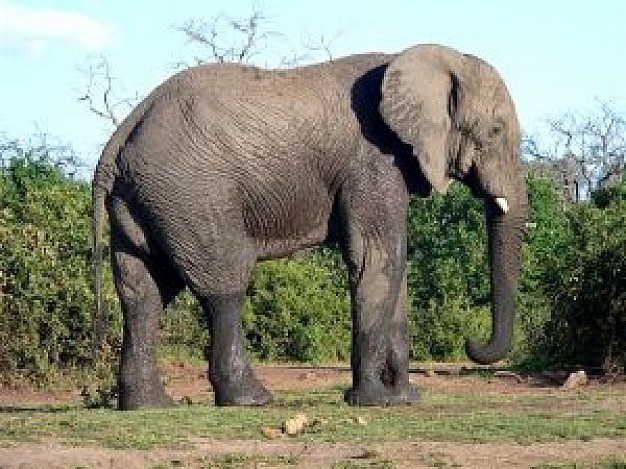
{"points": [[224, 165]]}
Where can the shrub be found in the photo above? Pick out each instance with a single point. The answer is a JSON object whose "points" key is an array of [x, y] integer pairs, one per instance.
{"points": [[298, 309], [46, 295], [184, 327], [545, 242], [447, 274], [573, 282], [587, 286]]}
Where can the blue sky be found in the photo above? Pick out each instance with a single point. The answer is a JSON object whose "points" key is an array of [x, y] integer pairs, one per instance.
{"points": [[556, 56]]}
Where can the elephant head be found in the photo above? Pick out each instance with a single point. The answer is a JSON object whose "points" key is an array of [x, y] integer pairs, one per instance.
{"points": [[456, 113]]}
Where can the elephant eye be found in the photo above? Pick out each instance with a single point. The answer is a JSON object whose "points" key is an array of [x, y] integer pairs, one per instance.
{"points": [[496, 130], [468, 130]]}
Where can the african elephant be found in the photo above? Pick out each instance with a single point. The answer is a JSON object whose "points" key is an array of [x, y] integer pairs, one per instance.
{"points": [[224, 165]]}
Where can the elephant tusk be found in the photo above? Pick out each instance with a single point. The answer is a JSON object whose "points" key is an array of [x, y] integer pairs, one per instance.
{"points": [[503, 204]]}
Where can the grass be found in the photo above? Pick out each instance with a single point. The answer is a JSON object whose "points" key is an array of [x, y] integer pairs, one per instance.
{"points": [[612, 463], [235, 461], [462, 417], [241, 461]]}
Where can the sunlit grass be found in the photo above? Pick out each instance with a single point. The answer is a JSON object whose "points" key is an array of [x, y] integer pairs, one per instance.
{"points": [[463, 417]]}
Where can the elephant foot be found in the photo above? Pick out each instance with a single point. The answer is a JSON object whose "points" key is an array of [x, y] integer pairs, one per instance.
{"points": [[369, 394], [147, 398], [405, 394], [247, 392], [376, 394]]}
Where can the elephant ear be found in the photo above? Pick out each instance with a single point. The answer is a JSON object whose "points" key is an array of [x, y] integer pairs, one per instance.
{"points": [[419, 100]]}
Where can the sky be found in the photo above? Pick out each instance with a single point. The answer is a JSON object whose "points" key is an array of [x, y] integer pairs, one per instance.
{"points": [[556, 56]]}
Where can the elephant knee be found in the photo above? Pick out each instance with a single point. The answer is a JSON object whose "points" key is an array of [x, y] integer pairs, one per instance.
{"points": [[134, 283]]}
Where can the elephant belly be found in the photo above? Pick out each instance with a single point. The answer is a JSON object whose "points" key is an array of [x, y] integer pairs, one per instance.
{"points": [[287, 215]]}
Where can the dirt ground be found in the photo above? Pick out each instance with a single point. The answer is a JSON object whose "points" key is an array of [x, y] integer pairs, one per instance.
{"points": [[185, 380]]}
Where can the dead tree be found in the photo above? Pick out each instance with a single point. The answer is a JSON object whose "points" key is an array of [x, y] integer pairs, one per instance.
{"points": [[586, 152], [243, 40], [102, 93]]}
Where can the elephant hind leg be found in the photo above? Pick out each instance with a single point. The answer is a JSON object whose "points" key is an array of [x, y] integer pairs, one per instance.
{"points": [[145, 287], [230, 372]]}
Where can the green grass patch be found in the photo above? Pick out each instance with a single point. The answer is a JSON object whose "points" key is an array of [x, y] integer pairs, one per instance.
{"points": [[611, 463], [463, 417], [236, 461]]}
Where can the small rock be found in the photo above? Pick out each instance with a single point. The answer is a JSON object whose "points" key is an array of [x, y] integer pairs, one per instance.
{"points": [[296, 425], [272, 433], [575, 380]]}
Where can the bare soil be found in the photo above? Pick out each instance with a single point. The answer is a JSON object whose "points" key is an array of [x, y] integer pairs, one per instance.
{"points": [[185, 380]]}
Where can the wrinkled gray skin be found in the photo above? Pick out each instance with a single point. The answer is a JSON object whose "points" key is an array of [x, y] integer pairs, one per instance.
{"points": [[224, 165]]}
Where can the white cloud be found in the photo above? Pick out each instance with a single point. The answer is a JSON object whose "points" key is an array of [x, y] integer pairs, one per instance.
{"points": [[34, 29]]}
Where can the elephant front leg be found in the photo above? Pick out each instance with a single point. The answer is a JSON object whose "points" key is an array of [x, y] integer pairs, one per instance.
{"points": [[380, 342], [230, 373], [401, 391]]}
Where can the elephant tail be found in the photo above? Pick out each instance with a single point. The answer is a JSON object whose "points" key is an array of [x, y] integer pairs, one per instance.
{"points": [[107, 168], [105, 175], [100, 323]]}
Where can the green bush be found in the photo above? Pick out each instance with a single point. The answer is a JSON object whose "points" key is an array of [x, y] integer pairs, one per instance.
{"points": [[298, 309], [586, 282], [447, 274], [184, 328], [46, 294], [545, 241]]}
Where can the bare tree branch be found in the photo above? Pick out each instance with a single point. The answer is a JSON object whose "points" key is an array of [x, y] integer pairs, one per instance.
{"points": [[250, 29], [293, 59], [200, 33], [99, 93], [588, 151], [42, 146], [322, 44], [215, 37]]}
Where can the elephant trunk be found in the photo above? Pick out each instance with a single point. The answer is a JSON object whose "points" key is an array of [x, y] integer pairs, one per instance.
{"points": [[505, 230]]}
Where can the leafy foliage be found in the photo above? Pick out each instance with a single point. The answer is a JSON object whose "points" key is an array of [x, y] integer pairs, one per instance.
{"points": [[586, 284], [184, 328], [448, 273], [544, 242], [298, 309], [45, 267]]}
